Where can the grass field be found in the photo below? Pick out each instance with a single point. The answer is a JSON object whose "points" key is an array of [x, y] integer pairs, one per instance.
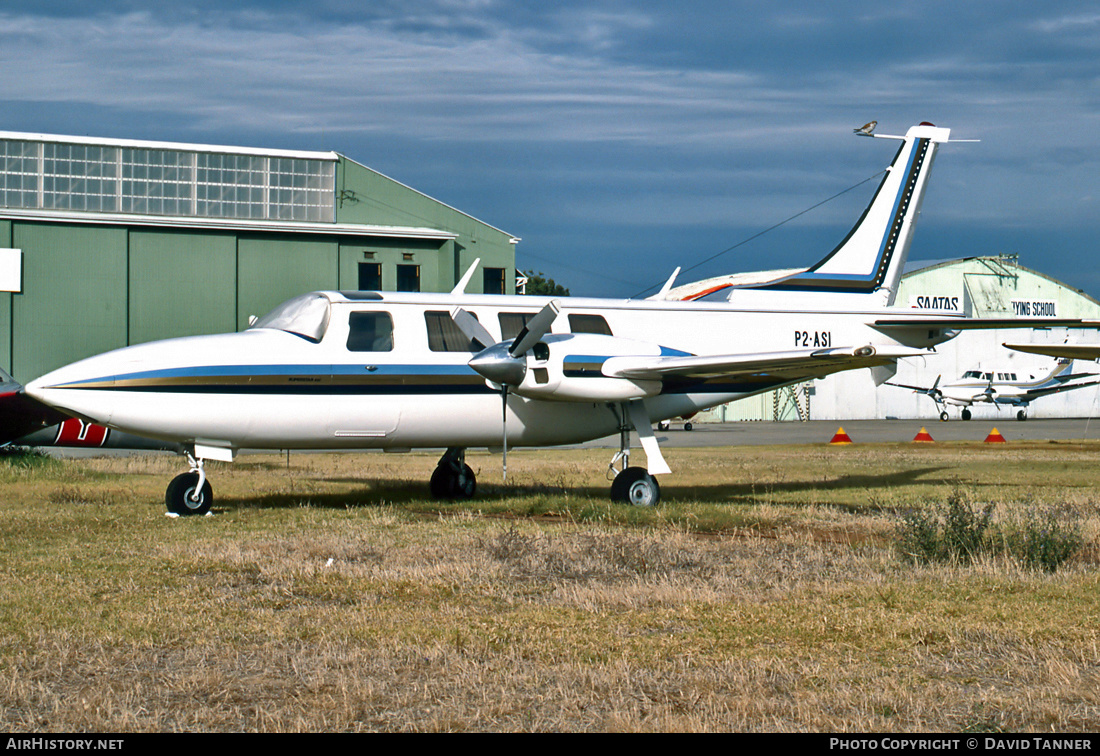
{"points": [[329, 593]]}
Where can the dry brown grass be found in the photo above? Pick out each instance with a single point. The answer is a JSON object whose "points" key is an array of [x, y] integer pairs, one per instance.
{"points": [[331, 594]]}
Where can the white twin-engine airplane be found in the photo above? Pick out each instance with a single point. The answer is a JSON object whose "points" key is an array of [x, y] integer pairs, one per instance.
{"points": [[1000, 387], [364, 370]]}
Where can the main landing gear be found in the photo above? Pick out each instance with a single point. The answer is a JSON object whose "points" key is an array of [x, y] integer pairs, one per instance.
{"points": [[453, 478], [190, 493]]}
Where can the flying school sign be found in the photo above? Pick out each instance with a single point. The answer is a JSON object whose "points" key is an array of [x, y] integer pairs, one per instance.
{"points": [[1033, 309]]}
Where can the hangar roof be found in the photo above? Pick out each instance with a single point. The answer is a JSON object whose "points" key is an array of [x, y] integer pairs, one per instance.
{"points": [[136, 182]]}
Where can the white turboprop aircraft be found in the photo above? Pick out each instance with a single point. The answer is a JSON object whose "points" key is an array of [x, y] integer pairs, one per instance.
{"points": [[1000, 388], [366, 370]]}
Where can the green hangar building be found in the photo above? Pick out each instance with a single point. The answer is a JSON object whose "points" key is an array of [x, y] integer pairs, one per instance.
{"points": [[108, 242]]}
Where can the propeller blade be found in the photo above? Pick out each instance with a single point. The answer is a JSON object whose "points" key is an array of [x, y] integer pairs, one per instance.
{"points": [[471, 327], [535, 329]]}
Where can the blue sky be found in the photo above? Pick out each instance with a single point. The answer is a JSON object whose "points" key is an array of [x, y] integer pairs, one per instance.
{"points": [[617, 139]]}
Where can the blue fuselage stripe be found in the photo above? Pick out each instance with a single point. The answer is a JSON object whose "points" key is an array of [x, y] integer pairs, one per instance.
{"points": [[349, 380]]}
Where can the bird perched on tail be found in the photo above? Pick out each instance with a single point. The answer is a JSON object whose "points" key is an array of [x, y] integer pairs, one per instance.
{"points": [[866, 129]]}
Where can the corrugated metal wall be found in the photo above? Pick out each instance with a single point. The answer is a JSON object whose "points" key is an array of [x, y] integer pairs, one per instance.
{"points": [[91, 288], [74, 298]]}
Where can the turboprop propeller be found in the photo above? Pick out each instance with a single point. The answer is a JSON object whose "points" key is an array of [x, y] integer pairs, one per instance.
{"points": [[563, 369], [504, 364]]}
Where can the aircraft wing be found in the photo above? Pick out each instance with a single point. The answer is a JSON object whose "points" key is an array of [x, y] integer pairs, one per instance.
{"points": [[1071, 351], [919, 389], [797, 364]]}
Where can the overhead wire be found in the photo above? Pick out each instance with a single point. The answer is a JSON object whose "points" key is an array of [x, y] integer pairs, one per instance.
{"points": [[758, 234]]}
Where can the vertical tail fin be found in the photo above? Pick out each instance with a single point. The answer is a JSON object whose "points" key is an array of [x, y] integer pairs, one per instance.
{"points": [[872, 255]]}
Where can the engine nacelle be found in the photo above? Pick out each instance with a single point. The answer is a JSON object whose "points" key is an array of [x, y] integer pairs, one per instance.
{"points": [[569, 367]]}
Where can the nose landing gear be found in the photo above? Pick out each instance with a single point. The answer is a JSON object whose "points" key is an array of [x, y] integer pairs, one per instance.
{"points": [[190, 493]]}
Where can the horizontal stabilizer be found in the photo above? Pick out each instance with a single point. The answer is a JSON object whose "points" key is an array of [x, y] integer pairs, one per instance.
{"points": [[970, 324], [1071, 351], [1037, 393]]}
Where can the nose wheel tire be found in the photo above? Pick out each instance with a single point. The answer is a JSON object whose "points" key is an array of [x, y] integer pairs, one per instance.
{"points": [[183, 499], [636, 486]]}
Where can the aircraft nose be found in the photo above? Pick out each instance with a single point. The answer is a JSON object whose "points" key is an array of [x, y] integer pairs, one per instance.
{"points": [[76, 390]]}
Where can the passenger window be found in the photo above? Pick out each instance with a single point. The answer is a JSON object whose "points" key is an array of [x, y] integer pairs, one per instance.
{"points": [[511, 323], [370, 332], [589, 324], [444, 335]]}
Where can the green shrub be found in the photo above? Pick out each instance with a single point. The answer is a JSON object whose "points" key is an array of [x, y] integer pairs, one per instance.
{"points": [[957, 531], [24, 457], [1042, 541], [954, 531]]}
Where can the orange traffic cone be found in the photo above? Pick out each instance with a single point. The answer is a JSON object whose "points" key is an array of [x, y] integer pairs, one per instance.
{"points": [[995, 437], [840, 437], [923, 437]]}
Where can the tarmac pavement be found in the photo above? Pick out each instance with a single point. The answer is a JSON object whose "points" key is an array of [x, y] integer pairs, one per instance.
{"points": [[867, 431]]}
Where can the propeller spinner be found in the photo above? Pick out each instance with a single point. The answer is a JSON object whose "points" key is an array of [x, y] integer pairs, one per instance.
{"points": [[503, 363]]}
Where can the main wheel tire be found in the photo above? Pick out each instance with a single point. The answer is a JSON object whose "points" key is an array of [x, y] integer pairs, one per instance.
{"points": [[446, 484], [466, 483], [965, 414], [636, 486], [178, 496], [1021, 415]]}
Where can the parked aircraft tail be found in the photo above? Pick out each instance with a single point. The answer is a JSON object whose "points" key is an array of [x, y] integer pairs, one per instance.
{"points": [[872, 255], [870, 259]]}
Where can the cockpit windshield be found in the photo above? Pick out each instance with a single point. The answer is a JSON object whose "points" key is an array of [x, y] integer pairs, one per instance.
{"points": [[306, 316]]}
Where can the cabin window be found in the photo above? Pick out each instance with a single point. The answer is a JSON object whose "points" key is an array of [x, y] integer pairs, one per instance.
{"points": [[444, 335], [408, 278], [370, 332], [588, 324], [493, 280], [370, 276], [511, 323]]}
